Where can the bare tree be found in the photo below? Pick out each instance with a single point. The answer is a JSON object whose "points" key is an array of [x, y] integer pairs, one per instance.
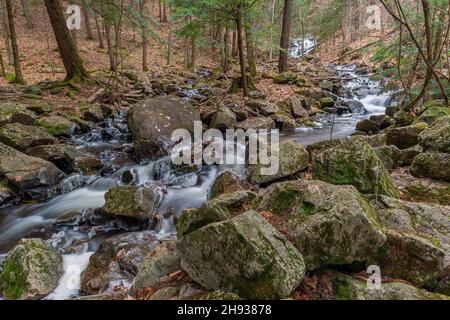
{"points": [[14, 46], [285, 33]]}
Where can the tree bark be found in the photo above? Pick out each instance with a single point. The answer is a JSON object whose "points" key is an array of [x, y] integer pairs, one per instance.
{"points": [[15, 49], [251, 58], [142, 4], [2, 65], [112, 59], [5, 31], [87, 22], [101, 44], [285, 33], [240, 45], [26, 13]]}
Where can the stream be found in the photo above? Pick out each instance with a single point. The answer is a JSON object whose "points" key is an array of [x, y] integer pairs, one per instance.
{"points": [[58, 218]]}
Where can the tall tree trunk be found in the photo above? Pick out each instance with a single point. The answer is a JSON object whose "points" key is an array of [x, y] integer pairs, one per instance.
{"points": [[161, 14], [5, 31], [26, 13], [67, 49], [170, 41], [285, 33], [87, 22], [2, 65], [240, 45], [272, 25], [251, 57], [15, 48], [108, 35], [226, 50], [142, 4], [101, 44]]}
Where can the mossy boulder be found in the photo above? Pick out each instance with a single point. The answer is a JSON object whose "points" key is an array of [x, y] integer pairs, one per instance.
{"points": [[227, 182], [327, 102], [418, 246], [133, 202], [430, 104], [223, 119], [22, 137], [293, 158], [40, 107], [425, 191], [407, 156], [437, 136], [354, 163], [350, 288], [330, 225], [91, 112], [368, 126], [390, 155], [405, 137], [218, 209], [11, 112], [403, 118], [297, 106], [31, 270], [219, 295], [432, 114], [288, 78], [244, 255], [433, 165], [263, 107], [257, 123], [159, 263], [58, 126]]}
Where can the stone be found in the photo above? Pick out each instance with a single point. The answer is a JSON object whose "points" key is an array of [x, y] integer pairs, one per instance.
{"points": [[219, 295], [437, 136], [297, 107], [92, 112], [429, 104], [390, 155], [22, 137], [407, 156], [223, 119], [257, 123], [355, 163], [167, 293], [32, 175], [227, 182], [327, 102], [403, 118], [161, 262], [355, 106], [432, 114], [6, 192], [391, 110], [293, 158], [244, 255], [133, 202], [58, 126], [11, 112], [31, 270], [328, 224], [263, 107], [368, 126], [152, 122], [433, 165], [405, 137]]}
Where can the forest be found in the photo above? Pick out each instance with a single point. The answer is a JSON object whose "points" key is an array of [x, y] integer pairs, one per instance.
{"points": [[224, 150]]}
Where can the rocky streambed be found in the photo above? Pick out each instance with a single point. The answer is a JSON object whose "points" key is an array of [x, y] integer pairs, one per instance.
{"points": [[119, 218]]}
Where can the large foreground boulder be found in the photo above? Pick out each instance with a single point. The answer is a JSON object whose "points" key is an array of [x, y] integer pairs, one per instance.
{"points": [[437, 136], [32, 175], [329, 224], [244, 255], [22, 137], [12, 112], [152, 122], [354, 163], [31, 270]]}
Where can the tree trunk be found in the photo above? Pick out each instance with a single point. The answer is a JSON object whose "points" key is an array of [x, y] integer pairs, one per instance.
{"points": [[226, 51], [142, 4], [234, 49], [87, 22], [101, 44], [284, 42], [170, 42], [272, 25], [2, 65], [5, 31], [251, 58], [15, 49], [112, 59], [67, 50], [240, 45], [26, 13]]}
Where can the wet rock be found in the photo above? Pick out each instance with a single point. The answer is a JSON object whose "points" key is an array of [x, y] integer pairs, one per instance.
{"points": [[133, 202], [31, 270], [432, 114], [403, 118], [32, 175], [293, 158], [355, 106], [368, 126], [223, 119], [405, 137], [6, 192], [330, 225], [152, 122], [256, 123], [418, 246], [437, 136], [21, 137], [117, 261], [161, 262], [327, 102], [227, 182], [382, 121], [92, 112], [433, 165], [264, 107], [244, 255], [58, 126], [354, 163], [297, 107], [11, 112], [390, 155], [218, 209], [349, 288]]}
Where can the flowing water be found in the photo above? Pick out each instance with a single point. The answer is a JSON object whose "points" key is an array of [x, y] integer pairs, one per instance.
{"points": [[58, 219]]}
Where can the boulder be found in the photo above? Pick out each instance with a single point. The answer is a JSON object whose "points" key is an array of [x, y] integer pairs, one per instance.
{"points": [[391, 110], [257, 123], [39, 107], [355, 106], [152, 122], [293, 158], [368, 126], [403, 118], [423, 190], [244, 255], [11, 112], [133, 202], [219, 295], [297, 107], [6, 192], [117, 261], [227, 182], [330, 225], [31, 270], [390, 155], [288, 78], [350, 288], [429, 104], [223, 119], [58, 126], [327, 102], [159, 263], [432, 114], [405, 137], [433, 165], [437, 136], [32, 175], [92, 112], [21, 137], [263, 107], [407, 156], [418, 246], [355, 163]]}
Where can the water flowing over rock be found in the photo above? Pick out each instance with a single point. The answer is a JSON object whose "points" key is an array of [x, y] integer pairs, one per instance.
{"points": [[153, 121], [32, 175], [354, 163], [31, 270], [328, 224], [244, 255]]}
